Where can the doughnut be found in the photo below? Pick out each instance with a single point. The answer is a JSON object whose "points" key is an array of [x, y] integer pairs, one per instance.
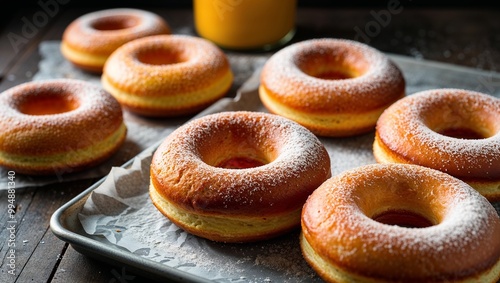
{"points": [[167, 75], [88, 41], [237, 176], [58, 126], [400, 223], [333, 87], [456, 131]]}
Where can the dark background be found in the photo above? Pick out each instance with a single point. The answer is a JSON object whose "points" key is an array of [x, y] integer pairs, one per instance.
{"points": [[16, 6], [463, 33], [20, 6], [23, 4]]}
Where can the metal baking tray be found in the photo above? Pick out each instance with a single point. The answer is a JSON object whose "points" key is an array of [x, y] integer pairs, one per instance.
{"points": [[65, 224], [419, 74]]}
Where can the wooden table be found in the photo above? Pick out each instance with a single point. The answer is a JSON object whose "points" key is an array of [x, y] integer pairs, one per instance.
{"points": [[467, 36]]}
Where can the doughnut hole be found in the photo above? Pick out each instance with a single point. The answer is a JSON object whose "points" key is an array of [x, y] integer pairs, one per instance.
{"points": [[161, 56], [332, 63], [462, 121], [237, 148], [402, 218], [112, 23], [401, 203], [48, 103]]}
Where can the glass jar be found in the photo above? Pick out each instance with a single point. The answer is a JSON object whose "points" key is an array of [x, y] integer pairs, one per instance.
{"points": [[246, 24]]}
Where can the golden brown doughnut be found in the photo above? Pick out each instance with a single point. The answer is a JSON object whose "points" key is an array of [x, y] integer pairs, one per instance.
{"points": [[167, 75], [400, 223], [334, 87], [452, 130], [237, 176], [88, 41], [58, 126]]}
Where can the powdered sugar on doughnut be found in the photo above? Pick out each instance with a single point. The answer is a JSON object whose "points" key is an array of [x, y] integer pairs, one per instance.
{"points": [[200, 65], [97, 116], [377, 84], [300, 165], [463, 242], [407, 129], [135, 23]]}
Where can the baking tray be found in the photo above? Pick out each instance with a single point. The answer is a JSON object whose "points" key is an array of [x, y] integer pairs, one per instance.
{"points": [[66, 226], [419, 74]]}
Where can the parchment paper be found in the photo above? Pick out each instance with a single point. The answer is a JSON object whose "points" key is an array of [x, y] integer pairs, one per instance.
{"points": [[121, 212]]}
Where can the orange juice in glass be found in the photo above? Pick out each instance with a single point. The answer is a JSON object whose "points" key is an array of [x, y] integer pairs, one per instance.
{"points": [[245, 24]]}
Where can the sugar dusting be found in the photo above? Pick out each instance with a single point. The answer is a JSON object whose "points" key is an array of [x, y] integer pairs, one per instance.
{"points": [[203, 64], [300, 146], [148, 22], [299, 151], [380, 84], [97, 111], [106, 41], [90, 98], [336, 222], [403, 129]]}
